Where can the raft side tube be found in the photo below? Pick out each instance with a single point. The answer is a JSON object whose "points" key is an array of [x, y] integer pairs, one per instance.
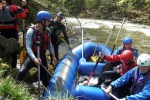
{"points": [[81, 92], [85, 68]]}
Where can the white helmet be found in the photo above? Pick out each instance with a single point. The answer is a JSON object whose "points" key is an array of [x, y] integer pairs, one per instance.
{"points": [[143, 60]]}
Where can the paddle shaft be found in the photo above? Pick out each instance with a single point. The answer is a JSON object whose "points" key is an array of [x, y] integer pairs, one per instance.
{"points": [[23, 36], [22, 53], [82, 42], [118, 35], [23, 30], [110, 94], [99, 57], [38, 56]]}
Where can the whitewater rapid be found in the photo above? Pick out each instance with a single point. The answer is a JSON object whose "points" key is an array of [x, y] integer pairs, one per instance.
{"points": [[95, 24]]}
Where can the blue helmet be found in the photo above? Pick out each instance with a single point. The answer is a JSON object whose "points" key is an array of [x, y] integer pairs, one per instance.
{"points": [[43, 15], [127, 40], [60, 14]]}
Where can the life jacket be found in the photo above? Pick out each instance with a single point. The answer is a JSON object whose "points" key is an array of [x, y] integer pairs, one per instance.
{"points": [[43, 38], [55, 28], [139, 83], [132, 49], [126, 67], [6, 20]]}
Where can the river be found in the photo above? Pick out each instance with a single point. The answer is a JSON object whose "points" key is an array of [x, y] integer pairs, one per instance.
{"points": [[96, 24]]}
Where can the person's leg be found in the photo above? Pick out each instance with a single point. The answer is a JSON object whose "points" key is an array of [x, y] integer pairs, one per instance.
{"points": [[114, 64], [43, 71], [25, 67], [109, 76], [56, 47], [106, 67], [100, 81]]}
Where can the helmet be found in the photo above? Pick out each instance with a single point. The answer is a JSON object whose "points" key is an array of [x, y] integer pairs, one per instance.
{"points": [[43, 15], [126, 56], [143, 60], [60, 14], [127, 40]]}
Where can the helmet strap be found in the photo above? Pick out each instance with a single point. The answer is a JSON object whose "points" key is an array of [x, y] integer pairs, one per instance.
{"points": [[43, 24]]}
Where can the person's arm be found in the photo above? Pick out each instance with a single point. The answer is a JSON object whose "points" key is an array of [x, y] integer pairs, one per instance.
{"points": [[135, 52], [111, 58], [127, 77], [29, 43], [51, 49], [143, 95], [65, 35]]}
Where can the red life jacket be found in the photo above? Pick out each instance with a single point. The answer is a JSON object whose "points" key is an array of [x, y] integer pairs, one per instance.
{"points": [[43, 38]]}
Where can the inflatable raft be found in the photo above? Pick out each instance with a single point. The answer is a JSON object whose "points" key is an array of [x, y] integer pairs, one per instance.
{"points": [[64, 80]]}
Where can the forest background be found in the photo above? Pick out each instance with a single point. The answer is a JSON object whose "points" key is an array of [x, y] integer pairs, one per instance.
{"points": [[137, 11]]}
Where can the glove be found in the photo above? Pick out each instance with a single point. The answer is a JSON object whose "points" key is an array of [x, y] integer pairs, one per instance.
{"points": [[101, 55]]}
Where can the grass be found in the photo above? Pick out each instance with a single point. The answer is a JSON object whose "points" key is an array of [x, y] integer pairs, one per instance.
{"points": [[9, 90]]}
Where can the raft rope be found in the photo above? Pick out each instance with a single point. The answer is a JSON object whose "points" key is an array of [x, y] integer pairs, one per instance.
{"points": [[55, 80]]}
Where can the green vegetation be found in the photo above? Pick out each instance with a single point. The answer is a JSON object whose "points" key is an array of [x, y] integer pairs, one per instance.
{"points": [[9, 90], [136, 10]]}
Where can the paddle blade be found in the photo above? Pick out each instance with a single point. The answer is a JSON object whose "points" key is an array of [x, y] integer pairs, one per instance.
{"points": [[22, 55], [82, 60]]}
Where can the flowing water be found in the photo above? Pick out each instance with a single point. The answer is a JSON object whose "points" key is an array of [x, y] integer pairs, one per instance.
{"points": [[98, 31]]}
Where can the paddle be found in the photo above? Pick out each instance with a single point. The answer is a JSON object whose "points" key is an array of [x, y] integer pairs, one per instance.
{"points": [[118, 34], [23, 52], [99, 57], [82, 59], [38, 56], [110, 94], [108, 66]]}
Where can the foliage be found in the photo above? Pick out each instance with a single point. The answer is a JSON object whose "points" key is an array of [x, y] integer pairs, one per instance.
{"points": [[92, 4], [72, 4], [104, 9], [7, 47], [10, 90]]}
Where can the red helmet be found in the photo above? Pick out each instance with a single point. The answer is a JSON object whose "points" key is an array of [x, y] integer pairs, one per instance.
{"points": [[126, 56]]}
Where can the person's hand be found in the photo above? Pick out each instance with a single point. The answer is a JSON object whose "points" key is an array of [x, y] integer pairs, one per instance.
{"points": [[116, 68], [24, 2], [101, 55], [55, 61], [37, 61], [69, 47], [108, 90]]}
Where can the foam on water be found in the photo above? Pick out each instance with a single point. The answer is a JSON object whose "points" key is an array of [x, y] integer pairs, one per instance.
{"points": [[90, 23]]}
